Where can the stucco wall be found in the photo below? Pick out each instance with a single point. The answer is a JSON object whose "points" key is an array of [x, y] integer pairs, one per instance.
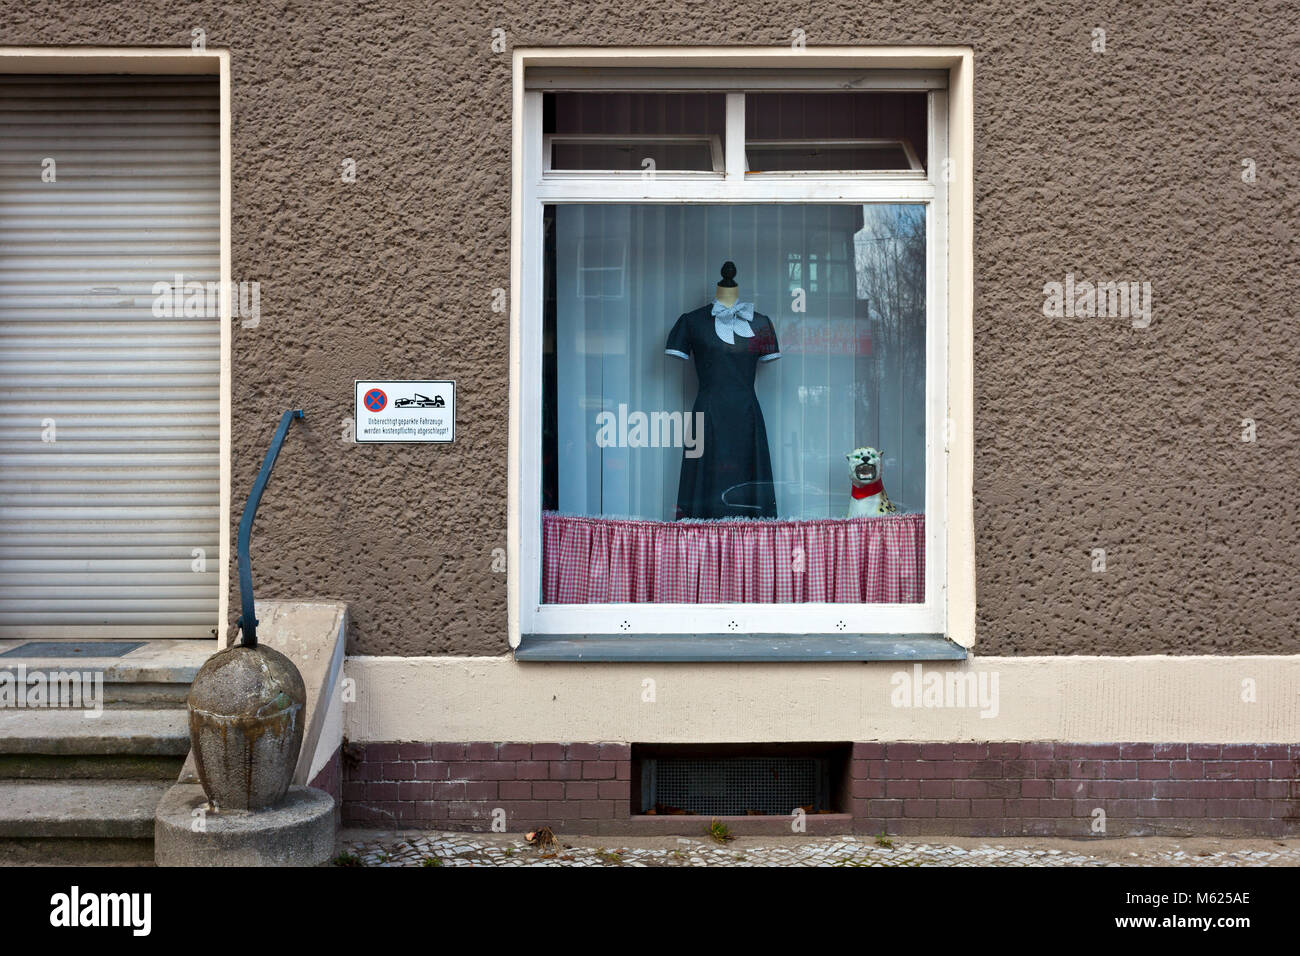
{"points": [[1089, 433]]}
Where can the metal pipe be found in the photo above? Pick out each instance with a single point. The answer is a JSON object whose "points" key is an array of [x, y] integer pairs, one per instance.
{"points": [[247, 619]]}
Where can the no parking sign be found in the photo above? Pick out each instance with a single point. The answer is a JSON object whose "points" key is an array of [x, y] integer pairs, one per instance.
{"points": [[404, 411]]}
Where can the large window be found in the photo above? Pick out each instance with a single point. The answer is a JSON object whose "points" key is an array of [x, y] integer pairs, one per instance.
{"points": [[733, 339], [774, 414]]}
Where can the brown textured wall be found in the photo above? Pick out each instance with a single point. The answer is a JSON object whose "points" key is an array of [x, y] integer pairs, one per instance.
{"points": [[1089, 433]]}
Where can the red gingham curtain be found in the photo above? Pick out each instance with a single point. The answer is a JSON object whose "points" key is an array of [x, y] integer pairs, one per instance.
{"points": [[836, 561]]}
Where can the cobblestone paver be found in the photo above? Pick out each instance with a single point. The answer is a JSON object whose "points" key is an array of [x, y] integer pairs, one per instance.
{"points": [[473, 849]]}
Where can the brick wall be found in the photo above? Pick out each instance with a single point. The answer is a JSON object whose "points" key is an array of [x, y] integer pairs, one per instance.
{"points": [[1053, 789], [581, 787], [976, 789]]}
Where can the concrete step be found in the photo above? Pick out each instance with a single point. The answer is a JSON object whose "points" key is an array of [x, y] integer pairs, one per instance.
{"points": [[145, 695], [156, 674], [121, 809], [113, 733], [78, 821], [75, 851], [92, 694], [90, 767], [93, 747]]}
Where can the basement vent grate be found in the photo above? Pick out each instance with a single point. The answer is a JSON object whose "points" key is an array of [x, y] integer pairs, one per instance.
{"points": [[735, 786]]}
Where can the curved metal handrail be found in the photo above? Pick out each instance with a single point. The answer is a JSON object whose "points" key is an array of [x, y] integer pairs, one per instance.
{"points": [[247, 619]]}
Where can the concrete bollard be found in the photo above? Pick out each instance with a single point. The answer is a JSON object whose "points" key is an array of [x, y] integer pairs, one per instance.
{"points": [[246, 726]]}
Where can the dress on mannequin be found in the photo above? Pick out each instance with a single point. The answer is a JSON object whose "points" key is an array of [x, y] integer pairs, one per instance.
{"points": [[732, 477]]}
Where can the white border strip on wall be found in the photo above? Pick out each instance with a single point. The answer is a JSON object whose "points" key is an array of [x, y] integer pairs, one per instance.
{"points": [[164, 62], [961, 351], [227, 347], [1078, 699], [89, 59]]}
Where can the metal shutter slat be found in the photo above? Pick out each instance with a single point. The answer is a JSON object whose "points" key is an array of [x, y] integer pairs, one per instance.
{"points": [[98, 529]]}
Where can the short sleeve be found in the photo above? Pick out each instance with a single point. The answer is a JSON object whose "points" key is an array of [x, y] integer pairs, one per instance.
{"points": [[768, 347], [679, 339]]}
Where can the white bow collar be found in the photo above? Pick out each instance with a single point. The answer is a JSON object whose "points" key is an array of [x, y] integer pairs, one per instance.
{"points": [[730, 321]]}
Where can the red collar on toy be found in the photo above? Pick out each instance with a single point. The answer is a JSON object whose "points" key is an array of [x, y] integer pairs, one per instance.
{"points": [[866, 491]]}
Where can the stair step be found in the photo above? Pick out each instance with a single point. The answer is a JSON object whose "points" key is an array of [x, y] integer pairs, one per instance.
{"points": [[111, 695], [50, 822], [91, 767], [146, 695], [156, 674], [75, 851], [97, 809], [162, 732], [155, 662], [81, 776]]}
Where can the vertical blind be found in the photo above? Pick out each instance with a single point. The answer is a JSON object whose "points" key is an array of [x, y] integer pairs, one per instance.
{"points": [[109, 411]]}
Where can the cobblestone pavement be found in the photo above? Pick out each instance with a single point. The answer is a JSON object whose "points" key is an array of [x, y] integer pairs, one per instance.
{"points": [[433, 848]]}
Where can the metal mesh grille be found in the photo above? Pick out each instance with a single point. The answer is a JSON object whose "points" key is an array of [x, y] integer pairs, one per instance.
{"points": [[735, 786]]}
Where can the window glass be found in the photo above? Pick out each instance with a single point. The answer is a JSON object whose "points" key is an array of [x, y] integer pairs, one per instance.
{"points": [[819, 132], [825, 156], [635, 131], [628, 153], [734, 403]]}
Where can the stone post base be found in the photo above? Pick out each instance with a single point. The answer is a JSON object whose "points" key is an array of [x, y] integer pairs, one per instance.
{"points": [[298, 832]]}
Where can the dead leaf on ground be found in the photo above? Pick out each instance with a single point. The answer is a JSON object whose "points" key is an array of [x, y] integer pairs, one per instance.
{"points": [[543, 839]]}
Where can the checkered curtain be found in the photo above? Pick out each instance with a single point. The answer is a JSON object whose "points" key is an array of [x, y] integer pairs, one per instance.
{"points": [[837, 561]]}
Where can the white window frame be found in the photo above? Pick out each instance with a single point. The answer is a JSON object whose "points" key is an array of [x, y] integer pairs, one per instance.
{"points": [[945, 191]]}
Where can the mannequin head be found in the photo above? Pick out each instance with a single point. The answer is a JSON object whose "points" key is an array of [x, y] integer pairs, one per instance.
{"points": [[728, 290]]}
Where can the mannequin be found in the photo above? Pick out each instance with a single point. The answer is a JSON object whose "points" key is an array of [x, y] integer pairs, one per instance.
{"points": [[732, 475], [728, 290]]}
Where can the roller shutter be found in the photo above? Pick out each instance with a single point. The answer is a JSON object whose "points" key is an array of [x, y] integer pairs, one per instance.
{"points": [[109, 413]]}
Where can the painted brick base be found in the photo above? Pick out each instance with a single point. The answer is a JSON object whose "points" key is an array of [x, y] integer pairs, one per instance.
{"points": [[1054, 789], [581, 788], [330, 779], [973, 789]]}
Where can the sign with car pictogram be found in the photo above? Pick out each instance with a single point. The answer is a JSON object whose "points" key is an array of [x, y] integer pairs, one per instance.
{"points": [[405, 411]]}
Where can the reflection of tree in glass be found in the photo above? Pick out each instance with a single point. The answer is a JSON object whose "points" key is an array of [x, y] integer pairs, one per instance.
{"points": [[889, 259]]}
